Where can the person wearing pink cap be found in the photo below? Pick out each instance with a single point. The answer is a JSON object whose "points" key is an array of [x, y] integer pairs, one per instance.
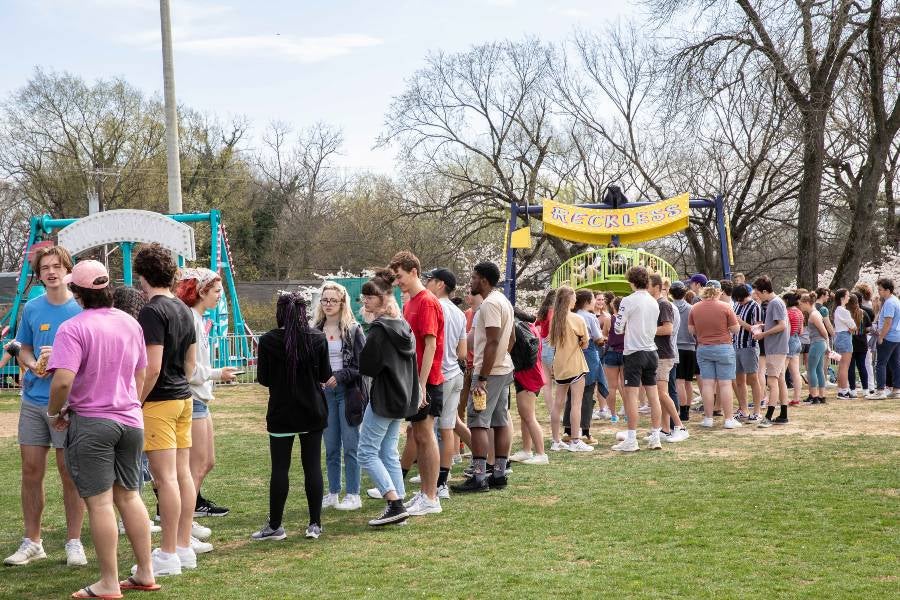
{"points": [[98, 364]]}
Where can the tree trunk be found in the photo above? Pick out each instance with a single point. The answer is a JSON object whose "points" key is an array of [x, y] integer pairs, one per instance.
{"points": [[810, 196]]}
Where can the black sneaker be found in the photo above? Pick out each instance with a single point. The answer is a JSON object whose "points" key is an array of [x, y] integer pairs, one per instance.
{"points": [[821, 400], [207, 508], [393, 513], [496, 483], [717, 413], [811, 400], [780, 420], [471, 485]]}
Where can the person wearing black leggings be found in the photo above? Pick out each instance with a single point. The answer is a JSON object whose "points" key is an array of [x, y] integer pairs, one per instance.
{"points": [[293, 363]]}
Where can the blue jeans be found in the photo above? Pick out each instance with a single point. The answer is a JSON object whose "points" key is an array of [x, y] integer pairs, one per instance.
{"points": [[339, 433], [815, 363], [888, 354], [378, 453]]}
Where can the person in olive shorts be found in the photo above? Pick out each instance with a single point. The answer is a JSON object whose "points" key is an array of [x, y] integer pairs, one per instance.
{"points": [[167, 405]]}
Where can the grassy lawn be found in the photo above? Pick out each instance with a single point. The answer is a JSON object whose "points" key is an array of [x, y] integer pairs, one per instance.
{"points": [[808, 510]]}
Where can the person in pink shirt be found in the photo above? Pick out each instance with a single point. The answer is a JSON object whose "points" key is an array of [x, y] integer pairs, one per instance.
{"points": [[98, 364]]}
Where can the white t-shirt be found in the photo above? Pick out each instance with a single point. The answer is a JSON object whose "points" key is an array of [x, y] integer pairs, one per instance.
{"points": [[638, 314], [454, 331], [495, 311]]}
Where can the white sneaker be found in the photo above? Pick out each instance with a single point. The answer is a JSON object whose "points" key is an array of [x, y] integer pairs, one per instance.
{"points": [[350, 502], [605, 414], [580, 446], [329, 500], [200, 547], [187, 556], [162, 567], [412, 500], [654, 442], [27, 552], [521, 456], [443, 492], [538, 459], [876, 395], [644, 409], [707, 422], [373, 493], [415, 479], [199, 531], [595, 416], [424, 506], [559, 446], [895, 393], [733, 424], [626, 445], [75, 554], [679, 434]]}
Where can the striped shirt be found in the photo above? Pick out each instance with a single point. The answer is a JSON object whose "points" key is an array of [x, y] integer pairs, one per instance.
{"points": [[751, 313]]}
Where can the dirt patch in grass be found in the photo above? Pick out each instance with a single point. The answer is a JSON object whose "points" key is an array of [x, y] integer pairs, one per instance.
{"points": [[9, 424]]}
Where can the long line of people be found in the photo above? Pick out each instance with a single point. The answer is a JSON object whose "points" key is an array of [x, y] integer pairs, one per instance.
{"points": [[111, 392]]}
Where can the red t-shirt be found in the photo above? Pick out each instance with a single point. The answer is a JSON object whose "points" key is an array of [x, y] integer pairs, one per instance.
{"points": [[533, 379], [795, 317], [425, 316], [544, 326]]}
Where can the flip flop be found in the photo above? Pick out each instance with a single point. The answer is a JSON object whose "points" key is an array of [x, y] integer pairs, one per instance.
{"points": [[87, 592], [132, 584]]}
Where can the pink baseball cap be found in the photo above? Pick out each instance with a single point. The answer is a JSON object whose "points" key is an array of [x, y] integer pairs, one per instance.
{"points": [[89, 274]]}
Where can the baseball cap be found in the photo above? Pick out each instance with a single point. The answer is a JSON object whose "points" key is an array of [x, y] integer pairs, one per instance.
{"points": [[677, 285], [698, 278], [88, 274], [714, 283], [445, 275]]}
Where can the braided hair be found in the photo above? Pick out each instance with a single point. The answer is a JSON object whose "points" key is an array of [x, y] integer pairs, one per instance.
{"points": [[290, 314]]}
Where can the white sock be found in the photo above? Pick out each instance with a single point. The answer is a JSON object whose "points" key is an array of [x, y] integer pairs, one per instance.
{"points": [[632, 434]]}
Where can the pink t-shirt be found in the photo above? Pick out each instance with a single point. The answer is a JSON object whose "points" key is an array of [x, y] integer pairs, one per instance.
{"points": [[103, 347]]}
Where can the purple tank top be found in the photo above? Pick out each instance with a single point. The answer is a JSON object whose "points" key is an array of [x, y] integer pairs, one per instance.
{"points": [[615, 341]]}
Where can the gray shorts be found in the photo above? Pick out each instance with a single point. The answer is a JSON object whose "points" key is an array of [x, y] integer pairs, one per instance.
{"points": [[496, 414], [746, 360], [452, 390], [35, 429], [101, 452]]}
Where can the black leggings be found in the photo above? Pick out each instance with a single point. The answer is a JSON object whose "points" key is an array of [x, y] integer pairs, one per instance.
{"points": [[858, 364], [280, 449]]}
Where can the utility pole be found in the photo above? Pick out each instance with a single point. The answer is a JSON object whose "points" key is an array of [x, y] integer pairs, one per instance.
{"points": [[172, 157]]}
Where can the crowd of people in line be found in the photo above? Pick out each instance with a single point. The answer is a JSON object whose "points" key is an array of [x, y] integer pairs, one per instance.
{"points": [[119, 381]]}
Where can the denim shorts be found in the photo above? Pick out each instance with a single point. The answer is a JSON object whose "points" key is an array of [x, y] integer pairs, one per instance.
{"points": [[794, 345], [716, 361], [613, 359], [843, 342], [201, 409]]}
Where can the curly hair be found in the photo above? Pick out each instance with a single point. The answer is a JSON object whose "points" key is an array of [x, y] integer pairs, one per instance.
{"points": [[638, 276], [155, 264], [129, 300], [407, 261]]}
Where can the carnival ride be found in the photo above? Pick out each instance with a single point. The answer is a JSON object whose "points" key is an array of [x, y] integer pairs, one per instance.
{"points": [[610, 224], [231, 340]]}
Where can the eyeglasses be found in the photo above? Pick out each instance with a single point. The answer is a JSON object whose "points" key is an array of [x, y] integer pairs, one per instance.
{"points": [[330, 301]]}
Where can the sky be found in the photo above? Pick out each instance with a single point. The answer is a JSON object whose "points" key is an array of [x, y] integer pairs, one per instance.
{"points": [[294, 61]]}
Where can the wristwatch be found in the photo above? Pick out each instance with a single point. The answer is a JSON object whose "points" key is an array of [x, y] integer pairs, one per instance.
{"points": [[482, 378]]}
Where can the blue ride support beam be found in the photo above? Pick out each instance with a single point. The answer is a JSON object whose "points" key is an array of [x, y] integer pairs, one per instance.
{"points": [[510, 283], [127, 262], [723, 236]]}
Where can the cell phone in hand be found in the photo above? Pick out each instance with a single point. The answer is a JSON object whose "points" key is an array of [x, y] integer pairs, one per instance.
{"points": [[238, 372]]}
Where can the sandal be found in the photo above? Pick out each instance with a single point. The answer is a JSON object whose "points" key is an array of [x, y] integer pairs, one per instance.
{"points": [[132, 584], [87, 592]]}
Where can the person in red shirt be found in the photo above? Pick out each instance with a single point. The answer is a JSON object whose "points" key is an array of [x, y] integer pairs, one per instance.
{"points": [[544, 316], [528, 383], [425, 316]]}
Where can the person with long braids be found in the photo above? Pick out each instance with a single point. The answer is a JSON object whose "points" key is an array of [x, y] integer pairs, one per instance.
{"points": [[569, 337], [334, 318], [293, 363], [389, 359]]}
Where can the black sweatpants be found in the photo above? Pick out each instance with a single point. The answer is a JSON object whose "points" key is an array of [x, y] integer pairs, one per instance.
{"points": [[280, 449]]}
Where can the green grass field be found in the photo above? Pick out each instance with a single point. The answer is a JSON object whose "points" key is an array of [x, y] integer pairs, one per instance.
{"points": [[808, 510]]}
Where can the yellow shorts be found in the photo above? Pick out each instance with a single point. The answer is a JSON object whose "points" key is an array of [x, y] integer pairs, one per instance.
{"points": [[167, 424]]}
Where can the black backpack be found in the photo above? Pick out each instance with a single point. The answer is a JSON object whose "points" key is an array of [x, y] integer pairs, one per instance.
{"points": [[524, 352]]}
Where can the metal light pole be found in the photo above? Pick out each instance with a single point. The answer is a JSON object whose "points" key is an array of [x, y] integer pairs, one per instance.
{"points": [[172, 157]]}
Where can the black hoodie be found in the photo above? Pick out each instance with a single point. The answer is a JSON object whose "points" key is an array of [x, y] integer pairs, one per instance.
{"points": [[389, 358], [297, 407]]}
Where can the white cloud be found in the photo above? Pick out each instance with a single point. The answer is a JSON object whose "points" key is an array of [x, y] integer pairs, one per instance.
{"points": [[299, 49]]}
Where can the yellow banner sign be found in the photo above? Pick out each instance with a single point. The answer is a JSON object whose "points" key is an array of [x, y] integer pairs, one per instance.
{"points": [[632, 225]]}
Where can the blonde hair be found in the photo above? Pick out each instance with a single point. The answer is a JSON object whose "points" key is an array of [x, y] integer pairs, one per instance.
{"points": [[559, 321], [346, 318], [710, 292]]}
